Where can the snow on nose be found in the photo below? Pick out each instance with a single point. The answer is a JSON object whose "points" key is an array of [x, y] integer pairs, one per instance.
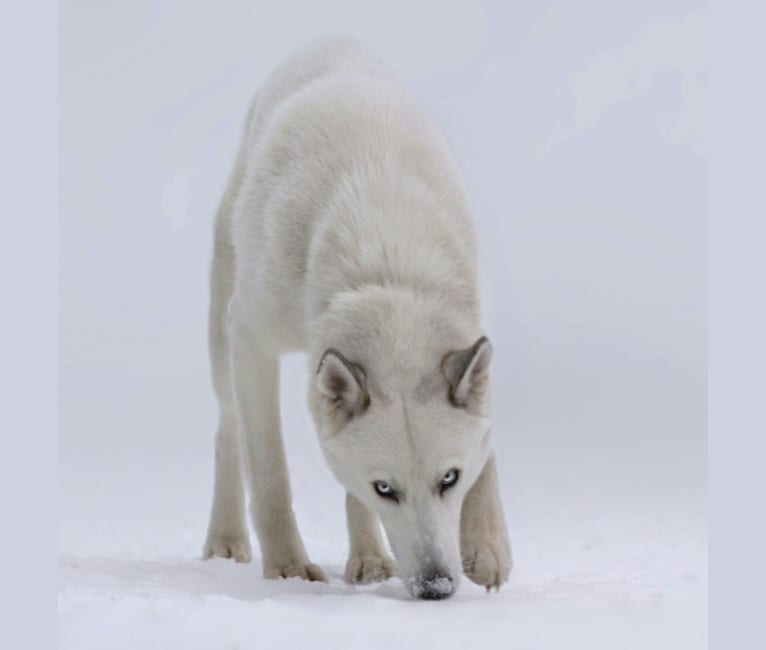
{"points": [[433, 586]]}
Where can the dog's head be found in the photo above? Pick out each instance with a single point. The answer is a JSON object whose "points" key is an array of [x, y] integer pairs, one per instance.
{"points": [[409, 446]]}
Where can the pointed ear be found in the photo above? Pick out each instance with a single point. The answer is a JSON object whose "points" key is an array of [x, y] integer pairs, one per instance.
{"points": [[342, 384], [467, 372]]}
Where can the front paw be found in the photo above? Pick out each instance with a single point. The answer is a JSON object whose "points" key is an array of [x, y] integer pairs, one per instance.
{"points": [[369, 568], [487, 560], [303, 570]]}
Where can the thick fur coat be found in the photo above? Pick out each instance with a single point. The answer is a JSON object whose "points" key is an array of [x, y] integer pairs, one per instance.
{"points": [[345, 232]]}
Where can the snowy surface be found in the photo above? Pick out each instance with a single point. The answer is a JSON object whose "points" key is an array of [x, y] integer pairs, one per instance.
{"points": [[581, 129], [131, 577]]}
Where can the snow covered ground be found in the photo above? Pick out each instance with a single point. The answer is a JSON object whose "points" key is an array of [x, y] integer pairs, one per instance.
{"points": [[580, 127], [131, 577]]}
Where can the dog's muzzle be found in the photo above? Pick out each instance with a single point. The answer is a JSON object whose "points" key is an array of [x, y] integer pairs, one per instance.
{"points": [[433, 585]]}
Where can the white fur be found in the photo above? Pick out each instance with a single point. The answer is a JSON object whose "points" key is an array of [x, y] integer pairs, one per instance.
{"points": [[345, 232]]}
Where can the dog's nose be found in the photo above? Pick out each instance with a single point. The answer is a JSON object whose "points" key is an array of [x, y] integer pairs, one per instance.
{"points": [[433, 586]]}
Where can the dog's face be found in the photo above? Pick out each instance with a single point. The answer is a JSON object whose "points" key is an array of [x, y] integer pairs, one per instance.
{"points": [[410, 454]]}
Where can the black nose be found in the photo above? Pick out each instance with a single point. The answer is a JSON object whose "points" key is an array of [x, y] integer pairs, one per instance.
{"points": [[433, 586]]}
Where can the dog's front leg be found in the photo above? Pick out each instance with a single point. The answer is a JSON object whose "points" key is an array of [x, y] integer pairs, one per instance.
{"points": [[256, 386], [367, 558], [484, 543]]}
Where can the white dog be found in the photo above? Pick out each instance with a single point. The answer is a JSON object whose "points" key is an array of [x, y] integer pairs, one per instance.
{"points": [[345, 232]]}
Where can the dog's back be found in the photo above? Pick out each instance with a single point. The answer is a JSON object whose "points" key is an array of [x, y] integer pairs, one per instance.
{"points": [[342, 181]]}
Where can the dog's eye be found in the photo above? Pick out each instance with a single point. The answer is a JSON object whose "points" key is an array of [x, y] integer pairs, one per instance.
{"points": [[385, 490], [449, 479]]}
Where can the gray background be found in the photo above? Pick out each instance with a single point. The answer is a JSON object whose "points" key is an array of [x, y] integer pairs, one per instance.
{"points": [[581, 130]]}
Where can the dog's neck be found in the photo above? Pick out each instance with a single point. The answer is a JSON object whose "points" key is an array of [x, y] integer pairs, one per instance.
{"points": [[390, 329]]}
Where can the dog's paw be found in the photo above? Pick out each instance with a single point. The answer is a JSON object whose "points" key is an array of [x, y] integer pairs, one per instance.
{"points": [[369, 568], [228, 546], [487, 562], [305, 571]]}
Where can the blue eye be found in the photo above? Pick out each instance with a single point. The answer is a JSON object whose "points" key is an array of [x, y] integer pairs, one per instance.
{"points": [[449, 479], [385, 490]]}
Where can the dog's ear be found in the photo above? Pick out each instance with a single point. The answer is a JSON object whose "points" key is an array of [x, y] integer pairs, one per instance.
{"points": [[342, 384], [467, 372]]}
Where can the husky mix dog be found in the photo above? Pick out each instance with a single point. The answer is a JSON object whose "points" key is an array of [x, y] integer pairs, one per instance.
{"points": [[345, 232]]}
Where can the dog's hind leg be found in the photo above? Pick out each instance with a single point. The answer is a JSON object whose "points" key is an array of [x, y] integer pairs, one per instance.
{"points": [[484, 544], [367, 558], [256, 385], [227, 533]]}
